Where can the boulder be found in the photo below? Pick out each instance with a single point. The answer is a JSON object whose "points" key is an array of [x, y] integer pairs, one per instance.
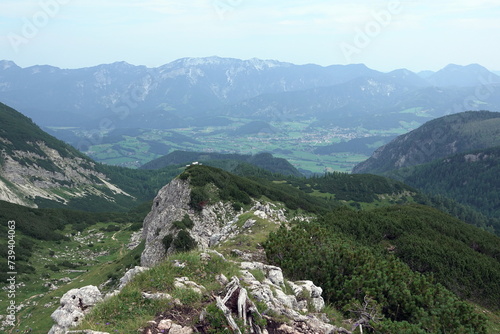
{"points": [[75, 304], [129, 275]]}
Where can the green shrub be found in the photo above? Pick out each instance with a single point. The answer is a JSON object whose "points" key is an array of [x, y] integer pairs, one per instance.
{"points": [[167, 241], [183, 242], [349, 272], [185, 223], [215, 321]]}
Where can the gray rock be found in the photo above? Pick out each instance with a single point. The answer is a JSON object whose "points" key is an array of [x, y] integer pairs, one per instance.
{"points": [[129, 275], [170, 205], [222, 279], [156, 295], [185, 283], [74, 305], [214, 224], [249, 223], [85, 331], [214, 239], [179, 264]]}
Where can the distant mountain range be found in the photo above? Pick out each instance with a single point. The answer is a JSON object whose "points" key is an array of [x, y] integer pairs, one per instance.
{"points": [[195, 90]]}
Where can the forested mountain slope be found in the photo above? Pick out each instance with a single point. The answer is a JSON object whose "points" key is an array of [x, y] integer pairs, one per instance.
{"points": [[436, 139], [37, 168], [262, 160], [471, 178]]}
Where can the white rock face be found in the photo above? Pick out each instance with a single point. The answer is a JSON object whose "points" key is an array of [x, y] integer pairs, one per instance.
{"points": [[74, 305], [305, 294], [170, 205]]}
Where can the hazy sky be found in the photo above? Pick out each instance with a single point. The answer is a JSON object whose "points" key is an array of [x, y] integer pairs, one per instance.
{"points": [[385, 35]]}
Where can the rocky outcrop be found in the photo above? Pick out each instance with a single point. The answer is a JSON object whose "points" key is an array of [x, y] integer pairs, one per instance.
{"points": [[75, 304], [170, 205], [283, 306], [214, 224], [126, 278]]}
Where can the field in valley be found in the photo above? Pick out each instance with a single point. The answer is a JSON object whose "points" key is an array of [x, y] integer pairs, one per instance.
{"points": [[295, 141]]}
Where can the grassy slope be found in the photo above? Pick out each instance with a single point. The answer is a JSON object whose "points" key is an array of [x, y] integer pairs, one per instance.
{"points": [[43, 302]]}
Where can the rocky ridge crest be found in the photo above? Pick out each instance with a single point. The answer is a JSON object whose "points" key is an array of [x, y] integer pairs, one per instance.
{"points": [[256, 300], [213, 225]]}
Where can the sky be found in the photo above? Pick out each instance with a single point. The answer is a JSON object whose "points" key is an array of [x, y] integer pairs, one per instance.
{"points": [[384, 35]]}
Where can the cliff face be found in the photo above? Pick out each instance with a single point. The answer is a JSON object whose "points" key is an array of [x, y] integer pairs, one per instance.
{"points": [[26, 175], [170, 205], [34, 165]]}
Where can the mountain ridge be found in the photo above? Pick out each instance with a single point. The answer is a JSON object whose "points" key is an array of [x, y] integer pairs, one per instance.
{"points": [[469, 177], [189, 86], [262, 160], [435, 139], [35, 166]]}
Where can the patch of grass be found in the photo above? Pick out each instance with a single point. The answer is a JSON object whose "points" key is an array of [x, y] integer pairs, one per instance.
{"points": [[124, 312], [258, 274], [335, 316], [249, 242], [130, 310]]}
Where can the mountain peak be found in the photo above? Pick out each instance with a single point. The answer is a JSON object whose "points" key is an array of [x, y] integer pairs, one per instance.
{"points": [[6, 64], [454, 75]]}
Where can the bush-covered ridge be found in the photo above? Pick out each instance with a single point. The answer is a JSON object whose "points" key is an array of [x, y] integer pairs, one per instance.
{"points": [[379, 290], [471, 178], [241, 190], [353, 187], [463, 258]]}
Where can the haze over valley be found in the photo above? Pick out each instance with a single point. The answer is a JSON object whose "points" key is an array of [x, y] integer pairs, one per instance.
{"points": [[319, 118]]}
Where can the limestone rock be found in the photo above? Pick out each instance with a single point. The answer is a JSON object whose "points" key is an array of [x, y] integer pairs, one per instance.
{"points": [[235, 304], [185, 283], [135, 239], [273, 273], [212, 225], [85, 331], [156, 295], [74, 305], [129, 275], [170, 205], [168, 326]]}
